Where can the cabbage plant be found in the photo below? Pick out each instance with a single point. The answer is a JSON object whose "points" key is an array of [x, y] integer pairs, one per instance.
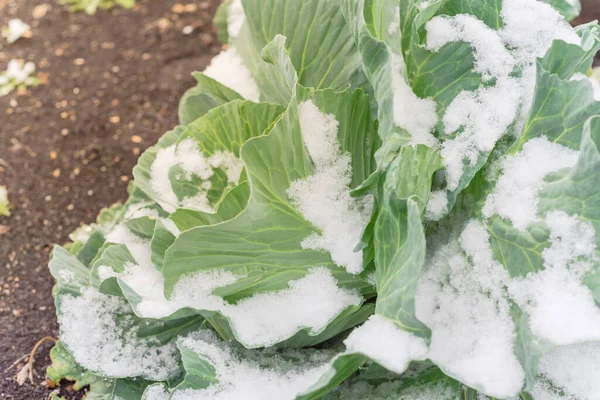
{"points": [[364, 199]]}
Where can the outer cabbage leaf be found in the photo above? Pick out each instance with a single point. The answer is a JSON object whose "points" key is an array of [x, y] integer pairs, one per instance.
{"points": [[224, 128], [206, 95], [318, 41], [274, 256], [73, 282], [65, 367], [400, 237], [560, 109]]}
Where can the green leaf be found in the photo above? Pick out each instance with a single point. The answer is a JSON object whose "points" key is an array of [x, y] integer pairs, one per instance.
{"points": [[65, 367], [114, 256], [377, 66], [318, 40], [91, 247], [342, 367], [69, 272], [162, 239], [273, 71], [528, 348], [400, 238], [576, 193], [206, 95], [559, 111], [429, 381], [274, 256], [220, 21], [273, 162], [199, 373], [224, 128], [231, 205], [565, 59], [347, 319]]}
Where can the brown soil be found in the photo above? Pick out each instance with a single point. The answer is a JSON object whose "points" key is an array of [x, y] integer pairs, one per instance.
{"points": [[111, 84]]}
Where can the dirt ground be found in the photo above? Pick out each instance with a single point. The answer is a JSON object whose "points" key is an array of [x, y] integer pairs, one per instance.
{"points": [[110, 88]]}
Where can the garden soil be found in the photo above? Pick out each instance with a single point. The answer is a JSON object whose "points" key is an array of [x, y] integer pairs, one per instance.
{"points": [[110, 85]]}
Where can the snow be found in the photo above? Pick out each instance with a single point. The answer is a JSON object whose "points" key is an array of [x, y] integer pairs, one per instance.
{"points": [[526, 171], [412, 113], [81, 234], [267, 374], [309, 302], [492, 60], [461, 298], [15, 30], [324, 197], [94, 327], [170, 225], [561, 309], [228, 69], [480, 118], [382, 341], [156, 392], [571, 369], [485, 114], [530, 26], [235, 18], [437, 206], [193, 162], [484, 117]]}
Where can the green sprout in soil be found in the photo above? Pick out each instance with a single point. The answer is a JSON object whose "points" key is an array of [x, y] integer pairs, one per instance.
{"points": [[18, 75], [15, 30], [5, 206], [90, 6]]}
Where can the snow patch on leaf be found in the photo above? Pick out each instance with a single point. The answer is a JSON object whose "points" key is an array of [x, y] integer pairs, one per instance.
{"points": [[560, 308], [324, 197], [383, 342], [526, 171], [461, 297], [99, 331], [228, 69]]}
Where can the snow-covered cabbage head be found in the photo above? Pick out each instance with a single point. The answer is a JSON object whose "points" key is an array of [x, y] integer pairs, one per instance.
{"points": [[384, 199]]}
